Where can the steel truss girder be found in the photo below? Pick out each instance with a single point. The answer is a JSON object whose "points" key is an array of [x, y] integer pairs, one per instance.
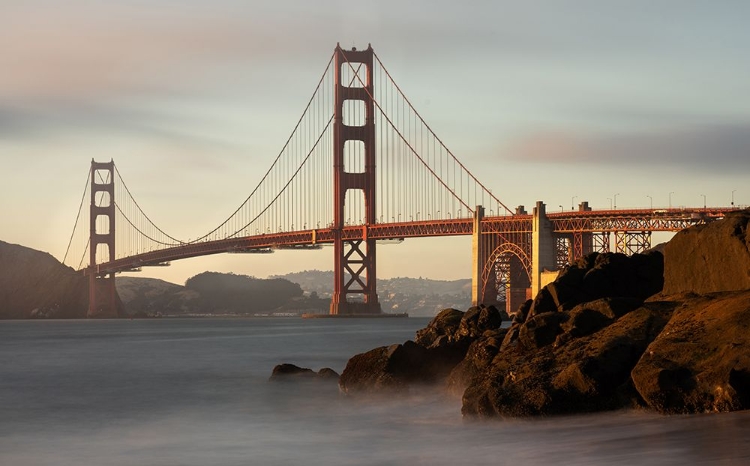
{"points": [[516, 244], [563, 250], [629, 243]]}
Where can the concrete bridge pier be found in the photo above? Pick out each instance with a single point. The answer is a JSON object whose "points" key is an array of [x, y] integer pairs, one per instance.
{"points": [[543, 255], [519, 289], [483, 289]]}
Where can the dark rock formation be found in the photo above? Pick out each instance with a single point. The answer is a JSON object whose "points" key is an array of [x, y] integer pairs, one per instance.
{"points": [[478, 357], [437, 349], [708, 258], [288, 371], [602, 336], [598, 276], [701, 361], [588, 341], [558, 370], [328, 374]]}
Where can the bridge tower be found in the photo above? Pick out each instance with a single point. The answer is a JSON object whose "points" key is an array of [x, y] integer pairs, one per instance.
{"points": [[354, 258], [102, 294]]}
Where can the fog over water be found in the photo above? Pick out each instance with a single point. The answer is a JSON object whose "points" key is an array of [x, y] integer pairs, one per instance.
{"points": [[196, 392]]}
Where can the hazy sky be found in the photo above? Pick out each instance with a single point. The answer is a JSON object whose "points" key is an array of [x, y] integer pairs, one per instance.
{"points": [[194, 99]]}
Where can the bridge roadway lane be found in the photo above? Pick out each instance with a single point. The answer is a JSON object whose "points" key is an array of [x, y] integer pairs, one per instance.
{"points": [[564, 222]]}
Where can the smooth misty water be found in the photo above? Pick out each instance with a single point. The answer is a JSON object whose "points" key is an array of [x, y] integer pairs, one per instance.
{"points": [[195, 392]]}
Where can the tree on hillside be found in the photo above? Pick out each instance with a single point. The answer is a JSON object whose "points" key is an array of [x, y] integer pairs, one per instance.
{"points": [[242, 293]]}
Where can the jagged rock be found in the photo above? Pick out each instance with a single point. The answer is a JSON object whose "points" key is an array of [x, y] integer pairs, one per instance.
{"points": [[387, 367], [585, 374], [284, 371], [590, 317], [288, 371], [446, 322], [523, 311], [543, 302], [439, 347], [608, 275], [478, 358], [701, 361], [478, 319], [328, 374], [709, 258], [541, 330]]}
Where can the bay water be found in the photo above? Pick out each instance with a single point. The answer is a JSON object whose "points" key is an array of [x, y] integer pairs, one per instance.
{"points": [[196, 392]]}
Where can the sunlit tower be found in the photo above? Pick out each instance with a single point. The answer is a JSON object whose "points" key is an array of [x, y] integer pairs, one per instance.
{"points": [[354, 258]]}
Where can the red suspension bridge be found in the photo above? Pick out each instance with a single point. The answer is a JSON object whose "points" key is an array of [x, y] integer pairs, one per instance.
{"points": [[361, 165]]}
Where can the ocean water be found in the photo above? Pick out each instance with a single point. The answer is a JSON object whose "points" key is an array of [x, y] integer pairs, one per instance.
{"points": [[196, 392]]}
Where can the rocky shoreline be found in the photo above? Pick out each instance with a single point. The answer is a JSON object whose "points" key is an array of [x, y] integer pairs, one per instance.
{"points": [[666, 332]]}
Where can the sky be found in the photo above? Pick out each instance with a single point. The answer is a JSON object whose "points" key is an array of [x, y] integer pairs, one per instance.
{"points": [[559, 101]]}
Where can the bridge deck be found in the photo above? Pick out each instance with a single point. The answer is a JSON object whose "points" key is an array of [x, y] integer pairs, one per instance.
{"points": [[564, 222]]}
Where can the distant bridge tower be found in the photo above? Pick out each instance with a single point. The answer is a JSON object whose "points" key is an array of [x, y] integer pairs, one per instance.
{"points": [[102, 295], [354, 258]]}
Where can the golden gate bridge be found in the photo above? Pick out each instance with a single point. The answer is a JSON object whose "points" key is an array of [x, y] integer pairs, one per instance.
{"points": [[361, 165]]}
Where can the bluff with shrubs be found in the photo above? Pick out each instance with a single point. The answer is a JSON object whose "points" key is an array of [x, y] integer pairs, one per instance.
{"points": [[33, 284]]}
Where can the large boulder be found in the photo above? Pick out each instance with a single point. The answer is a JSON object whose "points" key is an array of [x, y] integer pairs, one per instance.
{"points": [[574, 373], [436, 351], [709, 258], [600, 275], [701, 361], [478, 358], [286, 371], [391, 368], [443, 325]]}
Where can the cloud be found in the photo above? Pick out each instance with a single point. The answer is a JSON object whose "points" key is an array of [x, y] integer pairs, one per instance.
{"points": [[712, 148]]}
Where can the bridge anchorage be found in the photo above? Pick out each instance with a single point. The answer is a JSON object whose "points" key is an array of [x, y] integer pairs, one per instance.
{"points": [[361, 166]]}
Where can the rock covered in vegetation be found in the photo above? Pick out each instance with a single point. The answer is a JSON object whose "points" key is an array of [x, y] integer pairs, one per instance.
{"points": [[709, 258], [437, 349]]}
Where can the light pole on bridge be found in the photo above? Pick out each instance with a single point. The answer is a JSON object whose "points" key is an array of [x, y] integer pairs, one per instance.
{"points": [[573, 202], [615, 203], [651, 201], [562, 209], [704, 201]]}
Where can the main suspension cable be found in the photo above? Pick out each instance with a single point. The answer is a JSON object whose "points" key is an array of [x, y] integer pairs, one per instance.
{"points": [[80, 209], [435, 135]]}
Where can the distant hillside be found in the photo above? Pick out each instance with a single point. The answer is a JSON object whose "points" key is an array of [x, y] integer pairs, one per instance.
{"points": [[321, 282], [417, 296], [149, 296], [213, 293], [33, 284]]}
